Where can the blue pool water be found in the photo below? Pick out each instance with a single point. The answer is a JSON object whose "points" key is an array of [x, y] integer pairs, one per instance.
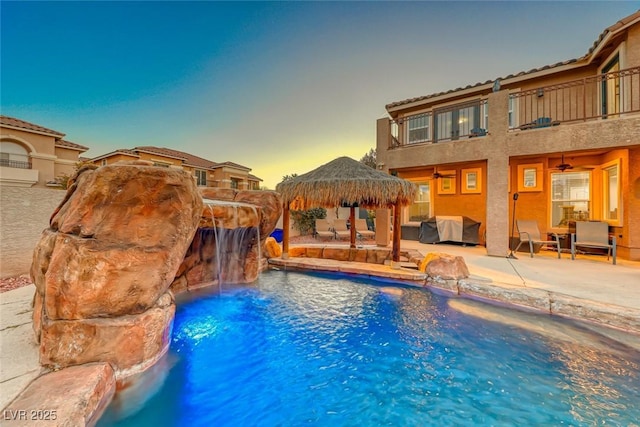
{"points": [[300, 349]]}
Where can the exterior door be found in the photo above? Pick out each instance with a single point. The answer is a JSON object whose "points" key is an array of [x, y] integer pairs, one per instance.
{"points": [[611, 89]]}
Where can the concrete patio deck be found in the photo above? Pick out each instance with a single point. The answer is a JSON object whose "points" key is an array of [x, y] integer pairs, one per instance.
{"points": [[588, 286]]}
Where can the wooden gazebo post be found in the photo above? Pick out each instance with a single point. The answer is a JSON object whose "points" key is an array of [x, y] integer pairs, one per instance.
{"points": [[395, 251], [352, 221], [285, 230]]}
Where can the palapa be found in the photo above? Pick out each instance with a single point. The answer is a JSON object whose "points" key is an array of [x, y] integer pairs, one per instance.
{"points": [[345, 181]]}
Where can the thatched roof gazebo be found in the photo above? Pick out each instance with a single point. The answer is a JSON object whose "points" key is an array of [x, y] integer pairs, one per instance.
{"points": [[345, 181]]}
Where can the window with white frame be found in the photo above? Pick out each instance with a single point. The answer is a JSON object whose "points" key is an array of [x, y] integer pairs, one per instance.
{"points": [[14, 155], [444, 126], [420, 209], [570, 197], [485, 115], [418, 128], [611, 193], [201, 177], [513, 115]]}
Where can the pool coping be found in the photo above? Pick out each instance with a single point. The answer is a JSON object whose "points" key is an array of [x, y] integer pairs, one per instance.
{"points": [[626, 319]]}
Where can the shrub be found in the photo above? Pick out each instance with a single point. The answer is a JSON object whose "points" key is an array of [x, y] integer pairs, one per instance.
{"points": [[305, 221]]}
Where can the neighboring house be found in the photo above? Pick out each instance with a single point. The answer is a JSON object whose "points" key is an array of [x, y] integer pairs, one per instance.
{"points": [[34, 156], [206, 172], [564, 137]]}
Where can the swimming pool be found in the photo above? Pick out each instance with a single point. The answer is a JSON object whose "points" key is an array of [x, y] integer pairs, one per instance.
{"points": [[331, 350]]}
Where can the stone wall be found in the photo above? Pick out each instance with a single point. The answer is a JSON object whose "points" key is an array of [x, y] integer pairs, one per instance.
{"points": [[24, 214]]}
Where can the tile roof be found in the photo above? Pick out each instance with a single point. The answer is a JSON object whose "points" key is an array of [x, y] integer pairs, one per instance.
{"points": [[71, 145], [188, 159], [21, 124], [253, 177], [124, 151], [233, 165], [611, 29]]}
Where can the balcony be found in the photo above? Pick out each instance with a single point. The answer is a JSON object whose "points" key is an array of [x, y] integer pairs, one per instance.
{"points": [[598, 97], [16, 161], [464, 120], [15, 171]]}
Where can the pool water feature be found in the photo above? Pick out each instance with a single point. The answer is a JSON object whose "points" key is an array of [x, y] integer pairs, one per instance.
{"points": [[332, 350]]}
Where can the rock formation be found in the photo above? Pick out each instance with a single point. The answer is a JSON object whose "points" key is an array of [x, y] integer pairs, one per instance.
{"points": [[102, 269]]}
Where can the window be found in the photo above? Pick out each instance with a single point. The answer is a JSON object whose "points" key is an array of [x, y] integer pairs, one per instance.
{"points": [[611, 88], [201, 177], [570, 197], [444, 126], [235, 183], [611, 193], [530, 177], [471, 181], [161, 164], [513, 116], [485, 115], [454, 122], [14, 155], [103, 162], [418, 128], [420, 209]]}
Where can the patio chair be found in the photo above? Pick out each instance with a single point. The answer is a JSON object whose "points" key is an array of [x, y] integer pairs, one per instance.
{"points": [[341, 229], [593, 234], [324, 228], [477, 132], [363, 230], [529, 233]]}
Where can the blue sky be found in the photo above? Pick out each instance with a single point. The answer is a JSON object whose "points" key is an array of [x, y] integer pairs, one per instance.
{"points": [[280, 87]]}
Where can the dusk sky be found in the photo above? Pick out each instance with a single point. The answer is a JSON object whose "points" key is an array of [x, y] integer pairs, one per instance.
{"points": [[280, 87]]}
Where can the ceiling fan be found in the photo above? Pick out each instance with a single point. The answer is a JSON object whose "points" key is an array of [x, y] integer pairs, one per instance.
{"points": [[563, 166], [437, 174]]}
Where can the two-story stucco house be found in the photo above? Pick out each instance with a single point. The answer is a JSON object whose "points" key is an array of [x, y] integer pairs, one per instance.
{"points": [[565, 138], [206, 172], [34, 156]]}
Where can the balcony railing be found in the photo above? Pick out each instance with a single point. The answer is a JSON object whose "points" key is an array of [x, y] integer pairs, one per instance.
{"points": [[17, 161], [598, 97], [464, 120], [602, 96]]}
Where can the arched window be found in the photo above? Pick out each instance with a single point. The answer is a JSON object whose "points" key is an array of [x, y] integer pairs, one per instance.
{"points": [[14, 155]]}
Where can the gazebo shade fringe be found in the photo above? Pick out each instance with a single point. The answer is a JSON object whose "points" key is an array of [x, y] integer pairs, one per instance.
{"points": [[347, 181]]}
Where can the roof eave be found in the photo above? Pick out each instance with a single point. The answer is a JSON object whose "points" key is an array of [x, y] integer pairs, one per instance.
{"points": [[79, 149], [236, 167], [612, 31], [440, 98], [481, 88], [39, 132], [155, 153], [113, 153]]}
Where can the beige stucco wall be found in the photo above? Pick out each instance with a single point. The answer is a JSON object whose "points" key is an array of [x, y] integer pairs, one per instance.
{"points": [[633, 47], [33, 142], [501, 145], [24, 215], [50, 161]]}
